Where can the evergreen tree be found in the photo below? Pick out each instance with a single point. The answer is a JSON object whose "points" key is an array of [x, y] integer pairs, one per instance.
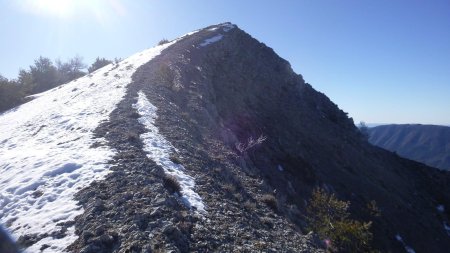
{"points": [[41, 76], [98, 63], [364, 130], [70, 70], [10, 94], [44, 75]]}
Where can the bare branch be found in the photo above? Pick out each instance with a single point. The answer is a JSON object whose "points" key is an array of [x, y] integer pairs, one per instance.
{"points": [[243, 147]]}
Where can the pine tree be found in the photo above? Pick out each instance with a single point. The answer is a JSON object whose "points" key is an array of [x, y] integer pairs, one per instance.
{"points": [[98, 63]]}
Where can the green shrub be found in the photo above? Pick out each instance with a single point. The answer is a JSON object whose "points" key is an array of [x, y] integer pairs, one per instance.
{"points": [[98, 63], [364, 130], [329, 218], [162, 42]]}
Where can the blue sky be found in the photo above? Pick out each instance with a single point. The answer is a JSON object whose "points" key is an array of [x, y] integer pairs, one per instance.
{"points": [[382, 61]]}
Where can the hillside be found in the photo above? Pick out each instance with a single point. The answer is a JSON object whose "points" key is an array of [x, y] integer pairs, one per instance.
{"points": [[93, 166], [429, 144]]}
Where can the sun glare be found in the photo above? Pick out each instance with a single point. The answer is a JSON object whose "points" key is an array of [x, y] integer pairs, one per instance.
{"points": [[101, 10], [61, 8]]}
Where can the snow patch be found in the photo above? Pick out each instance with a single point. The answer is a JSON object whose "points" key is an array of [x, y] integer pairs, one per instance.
{"points": [[407, 248], [280, 168], [447, 228], [227, 27], [46, 155], [187, 34], [159, 149], [440, 208], [211, 40]]}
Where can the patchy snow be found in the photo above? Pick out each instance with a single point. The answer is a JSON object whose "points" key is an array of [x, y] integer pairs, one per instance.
{"points": [[280, 168], [187, 34], [211, 40], [33, 96], [227, 27], [159, 149], [447, 228], [407, 248], [46, 155], [440, 208]]}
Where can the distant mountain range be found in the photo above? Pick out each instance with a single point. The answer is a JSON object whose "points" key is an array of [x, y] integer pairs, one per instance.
{"points": [[429, 144]]}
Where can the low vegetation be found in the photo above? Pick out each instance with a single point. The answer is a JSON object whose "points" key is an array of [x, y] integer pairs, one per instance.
{"points": [[329, 218], [364, 130], [250, 206], [270, 201], [172, 184], [163, 41], [165, 74], [245, 146], [98, 63]]}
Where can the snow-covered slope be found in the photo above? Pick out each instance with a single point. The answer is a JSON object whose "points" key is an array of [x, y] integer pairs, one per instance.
{"points": [[46, 152]]}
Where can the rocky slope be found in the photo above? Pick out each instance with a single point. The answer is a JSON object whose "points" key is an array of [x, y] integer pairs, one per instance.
{"points": [[216, 89], [429, 144]]}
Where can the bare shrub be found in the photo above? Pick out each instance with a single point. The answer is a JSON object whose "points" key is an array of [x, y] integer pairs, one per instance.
{"points": [[229, 188], [243, 147], [132, 137], [267, 221], [270, 201], [250, 206], [373, 209], [174, 158], [172, 184], [134, 115], [165, 74]]}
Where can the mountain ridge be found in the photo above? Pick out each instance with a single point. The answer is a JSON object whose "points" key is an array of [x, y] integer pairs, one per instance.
{"points": [[428, 144], [213, 93]]}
